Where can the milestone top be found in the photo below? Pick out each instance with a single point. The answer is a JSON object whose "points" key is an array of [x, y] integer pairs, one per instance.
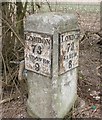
{"points": [[51, 22]]}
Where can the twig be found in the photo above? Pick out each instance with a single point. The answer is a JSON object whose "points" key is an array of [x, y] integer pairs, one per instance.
{"points": [[94, 112], [9, 99], [9, 28], [6, 100], [97, 72], [49, 6], [76, 111], [21, 69], [13, 31], [15, 62], [4, 84], [4, 66]]}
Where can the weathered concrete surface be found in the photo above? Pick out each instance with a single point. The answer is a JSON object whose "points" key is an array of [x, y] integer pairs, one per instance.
{"points": [[51, 22], [51, 97]]}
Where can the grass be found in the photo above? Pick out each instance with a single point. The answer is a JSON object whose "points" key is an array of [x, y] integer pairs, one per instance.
{"points": [[66, 7]]}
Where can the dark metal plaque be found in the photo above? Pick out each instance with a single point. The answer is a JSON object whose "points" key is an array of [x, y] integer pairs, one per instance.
{"points": [[38, 51], [68, 51]]}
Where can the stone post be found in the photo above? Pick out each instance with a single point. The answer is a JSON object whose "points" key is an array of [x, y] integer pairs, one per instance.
{"points": [[51, 58]]}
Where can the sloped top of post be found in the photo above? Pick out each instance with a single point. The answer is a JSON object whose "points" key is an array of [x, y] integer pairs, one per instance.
{"points": [[51, 22]]}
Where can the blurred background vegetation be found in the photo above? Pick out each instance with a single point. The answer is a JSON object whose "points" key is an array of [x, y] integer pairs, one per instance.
{"points": [[13, 19]]}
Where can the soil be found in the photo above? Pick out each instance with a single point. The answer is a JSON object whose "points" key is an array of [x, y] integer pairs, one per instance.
{"points": [[89, 82]]}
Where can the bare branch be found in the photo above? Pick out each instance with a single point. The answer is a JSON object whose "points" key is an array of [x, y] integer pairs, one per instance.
{"points": [[49, 6], [13, 31]]}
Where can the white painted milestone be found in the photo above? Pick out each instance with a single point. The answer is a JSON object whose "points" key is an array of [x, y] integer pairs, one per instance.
{"points": [[51, 60]]}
